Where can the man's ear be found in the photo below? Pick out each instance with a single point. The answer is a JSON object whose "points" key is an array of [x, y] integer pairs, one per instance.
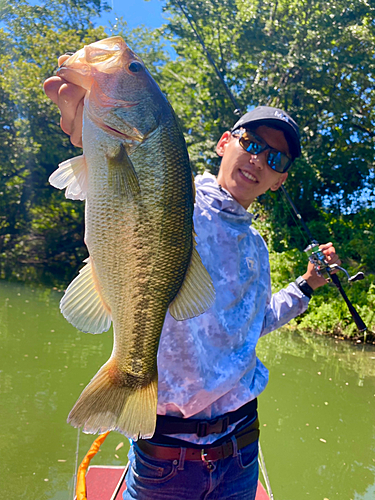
{"points": [[282, 179], [223, 142]]}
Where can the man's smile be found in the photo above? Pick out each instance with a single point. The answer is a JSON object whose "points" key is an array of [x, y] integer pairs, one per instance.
{"points": [[248, 175]]}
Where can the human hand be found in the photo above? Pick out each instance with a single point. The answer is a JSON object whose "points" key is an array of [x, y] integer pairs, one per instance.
{"points": [[311, 276], [69, 99]]}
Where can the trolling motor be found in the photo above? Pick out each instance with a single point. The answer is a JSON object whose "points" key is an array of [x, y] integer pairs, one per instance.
{"points": [[316, 257]]}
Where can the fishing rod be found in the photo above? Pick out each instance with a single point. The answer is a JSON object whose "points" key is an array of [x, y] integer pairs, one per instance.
{"points": [[190, 19], [315, 255]]}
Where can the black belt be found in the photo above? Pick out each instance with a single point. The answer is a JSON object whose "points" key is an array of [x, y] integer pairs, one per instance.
{"points": [[176, 425], [243, 438]]}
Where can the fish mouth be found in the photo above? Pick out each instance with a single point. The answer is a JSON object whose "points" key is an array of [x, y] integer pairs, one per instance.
{"points": [[134, 137], [102, 101]]}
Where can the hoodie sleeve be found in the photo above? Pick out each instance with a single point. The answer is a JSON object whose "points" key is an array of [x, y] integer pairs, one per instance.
{"points": [[282, 307]]}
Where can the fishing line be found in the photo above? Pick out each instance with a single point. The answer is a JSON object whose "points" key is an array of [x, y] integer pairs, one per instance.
{"points": [[262, 465], [76, 465], [292, 214], [193, 25], [114, 25]]}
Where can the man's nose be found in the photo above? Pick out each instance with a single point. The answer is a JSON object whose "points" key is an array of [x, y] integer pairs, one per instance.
{"points": [[256, 161]]}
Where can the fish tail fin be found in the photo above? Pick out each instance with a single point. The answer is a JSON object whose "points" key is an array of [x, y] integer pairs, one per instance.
{"points": [[114, 400]]}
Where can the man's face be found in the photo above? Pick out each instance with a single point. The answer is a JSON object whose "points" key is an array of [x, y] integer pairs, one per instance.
{"points": [[247, 176]]}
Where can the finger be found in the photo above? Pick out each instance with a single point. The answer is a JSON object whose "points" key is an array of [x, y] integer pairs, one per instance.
{"points": [[52, 85], [51, 88], [332, 257], [325, 246], [70, 102], [76, 135]]}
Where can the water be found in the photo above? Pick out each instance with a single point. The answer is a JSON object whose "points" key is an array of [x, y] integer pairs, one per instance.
{"points": [[317, 414], [318, 418]]}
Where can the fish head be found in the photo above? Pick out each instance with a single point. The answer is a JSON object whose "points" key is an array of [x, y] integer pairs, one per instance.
{"points": [[105, 56], [121, 90]]}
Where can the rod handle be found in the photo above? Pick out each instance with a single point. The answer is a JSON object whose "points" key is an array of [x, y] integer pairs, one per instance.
{"points": [[356, 317]]}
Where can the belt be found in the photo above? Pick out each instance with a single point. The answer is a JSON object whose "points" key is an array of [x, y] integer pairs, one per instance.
{"points": [[175, 425], [245, 437]]}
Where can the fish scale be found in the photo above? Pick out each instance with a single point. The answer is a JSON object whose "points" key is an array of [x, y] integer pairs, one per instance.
{"points": [[136, 180]]}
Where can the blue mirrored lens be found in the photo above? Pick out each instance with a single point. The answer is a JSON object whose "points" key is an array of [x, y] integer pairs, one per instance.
{"points": [[277, 160], [254, 148], [274, 161]]}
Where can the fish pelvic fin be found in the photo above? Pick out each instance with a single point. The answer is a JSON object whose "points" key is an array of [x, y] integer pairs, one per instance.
{"points": [[197, 293], [82, 304], [73, 175], [113, 400], [122, 177]]}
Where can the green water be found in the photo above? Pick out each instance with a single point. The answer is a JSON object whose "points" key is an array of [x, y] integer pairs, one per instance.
{"points": [[317, 414]]}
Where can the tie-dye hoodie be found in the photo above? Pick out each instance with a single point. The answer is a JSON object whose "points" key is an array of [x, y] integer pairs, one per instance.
{"points": [[207, 365]]}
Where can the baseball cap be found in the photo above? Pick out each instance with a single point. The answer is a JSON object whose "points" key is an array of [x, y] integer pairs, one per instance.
{"points": [[274, 118]]}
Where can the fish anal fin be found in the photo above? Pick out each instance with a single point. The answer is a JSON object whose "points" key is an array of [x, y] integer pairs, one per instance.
{"points": [[197, 293], [73, 175], [122, 177], [108, 403], [82, 304]]}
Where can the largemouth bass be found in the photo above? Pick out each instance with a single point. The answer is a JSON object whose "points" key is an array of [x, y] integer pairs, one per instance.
{"points": [[137, 183]]}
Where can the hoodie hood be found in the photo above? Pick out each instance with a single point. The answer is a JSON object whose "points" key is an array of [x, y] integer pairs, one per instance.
{"points": [[220, 200]]}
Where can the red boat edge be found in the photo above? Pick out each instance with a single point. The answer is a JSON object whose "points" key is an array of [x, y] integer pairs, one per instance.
{"points": [[108, 483]]}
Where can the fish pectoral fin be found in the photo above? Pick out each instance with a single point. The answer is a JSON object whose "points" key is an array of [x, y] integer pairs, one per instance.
{"points": [[82, 304], [73, 175], [122, 177], [197, 293]]}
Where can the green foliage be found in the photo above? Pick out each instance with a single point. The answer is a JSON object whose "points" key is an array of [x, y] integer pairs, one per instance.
{"points": [[40, 232], [148, 44], [327, 310], [312, 58]]}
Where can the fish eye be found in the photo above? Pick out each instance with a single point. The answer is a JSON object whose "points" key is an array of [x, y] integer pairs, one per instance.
{"points": [[135, 67]]}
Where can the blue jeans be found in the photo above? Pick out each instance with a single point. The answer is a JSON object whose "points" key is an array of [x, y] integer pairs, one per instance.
{"points": [[234, 478]]}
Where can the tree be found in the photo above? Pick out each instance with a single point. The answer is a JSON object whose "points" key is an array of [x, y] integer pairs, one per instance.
{"points": [[40, 232], [312, 58]]}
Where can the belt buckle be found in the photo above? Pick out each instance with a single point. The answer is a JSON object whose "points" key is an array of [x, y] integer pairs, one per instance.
{"points": [[207, 427], [202, 429], [225, 424], [203, 456]]}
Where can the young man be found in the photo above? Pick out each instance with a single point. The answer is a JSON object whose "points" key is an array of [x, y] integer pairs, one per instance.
{"points": [[206, 440]]}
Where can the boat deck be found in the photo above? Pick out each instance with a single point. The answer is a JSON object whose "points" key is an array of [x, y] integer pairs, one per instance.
{"points": [[108, 483]]}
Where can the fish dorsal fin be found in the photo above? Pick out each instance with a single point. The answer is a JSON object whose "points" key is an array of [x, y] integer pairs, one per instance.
{"points": [[197, 293], [72, 175], [82, 304], [122, 177]]}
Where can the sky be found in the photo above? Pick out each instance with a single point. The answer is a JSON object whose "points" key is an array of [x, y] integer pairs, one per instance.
{"points": [[135, 12]]}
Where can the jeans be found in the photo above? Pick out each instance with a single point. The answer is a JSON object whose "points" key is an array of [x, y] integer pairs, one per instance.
{"points": [[233, 478]]}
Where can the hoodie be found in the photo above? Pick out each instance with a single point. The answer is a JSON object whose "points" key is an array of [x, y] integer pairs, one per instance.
{"points": [[207, 365]]}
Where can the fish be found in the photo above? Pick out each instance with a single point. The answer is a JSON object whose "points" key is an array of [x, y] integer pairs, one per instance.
{"points": [[135, 178]]}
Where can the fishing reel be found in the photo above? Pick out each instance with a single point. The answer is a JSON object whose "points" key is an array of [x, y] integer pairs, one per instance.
{"points": [[317, 258]]}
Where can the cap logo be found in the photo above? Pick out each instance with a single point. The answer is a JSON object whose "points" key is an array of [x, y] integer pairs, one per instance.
{"points": [[281, 116]]}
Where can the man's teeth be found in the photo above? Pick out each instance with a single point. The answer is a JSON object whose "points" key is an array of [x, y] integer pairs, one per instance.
{"points": [[248, 176]]}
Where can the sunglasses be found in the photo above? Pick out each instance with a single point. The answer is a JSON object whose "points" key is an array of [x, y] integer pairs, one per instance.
{"points": [[255, 145]]}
